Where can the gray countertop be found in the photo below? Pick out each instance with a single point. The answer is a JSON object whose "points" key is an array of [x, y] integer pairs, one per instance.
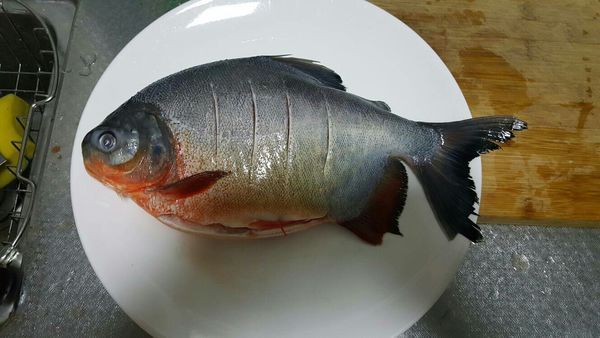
{"points": [[527, 281]]}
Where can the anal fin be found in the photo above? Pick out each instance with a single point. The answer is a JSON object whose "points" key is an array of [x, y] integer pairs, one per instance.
{"points": [[384, 206]]}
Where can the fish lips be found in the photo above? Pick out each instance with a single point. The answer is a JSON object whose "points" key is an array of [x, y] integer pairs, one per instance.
{"points": [[91, 162], [95, 160]]}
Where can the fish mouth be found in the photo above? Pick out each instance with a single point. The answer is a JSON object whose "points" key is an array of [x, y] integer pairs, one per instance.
{"points": [[90, 161], [102, 173], [86, 145], [94, 165]]}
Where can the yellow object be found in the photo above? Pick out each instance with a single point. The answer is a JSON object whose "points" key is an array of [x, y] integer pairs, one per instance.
{"points": [[11, 131]]}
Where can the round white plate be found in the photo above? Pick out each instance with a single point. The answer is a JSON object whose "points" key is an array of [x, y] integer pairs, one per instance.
{"points": [[321, 282]]}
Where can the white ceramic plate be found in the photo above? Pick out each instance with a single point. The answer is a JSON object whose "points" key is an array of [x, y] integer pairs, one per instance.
{"points": [[321, 282]]}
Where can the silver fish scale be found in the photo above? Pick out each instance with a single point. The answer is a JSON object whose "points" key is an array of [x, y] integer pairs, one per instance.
{"points": [[289, 141]]}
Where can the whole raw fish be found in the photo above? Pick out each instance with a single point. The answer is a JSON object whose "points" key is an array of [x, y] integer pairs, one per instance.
{"points": [[266, 146]]}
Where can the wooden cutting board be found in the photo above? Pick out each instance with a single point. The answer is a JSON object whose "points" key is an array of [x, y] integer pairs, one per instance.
{"points": [[540, 61]]}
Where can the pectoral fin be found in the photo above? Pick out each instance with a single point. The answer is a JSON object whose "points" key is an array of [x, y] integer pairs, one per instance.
{"points": [[384, 206], [192, 185]]}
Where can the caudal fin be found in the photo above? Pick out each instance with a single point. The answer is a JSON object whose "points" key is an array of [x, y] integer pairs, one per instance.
{"points": [[445, 175]]}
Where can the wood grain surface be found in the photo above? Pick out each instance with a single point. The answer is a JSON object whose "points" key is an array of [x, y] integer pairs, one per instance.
{"points": [[540, 61]]}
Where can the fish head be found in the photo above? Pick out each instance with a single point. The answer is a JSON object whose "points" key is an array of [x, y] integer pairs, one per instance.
{"points": [[131, 150]]}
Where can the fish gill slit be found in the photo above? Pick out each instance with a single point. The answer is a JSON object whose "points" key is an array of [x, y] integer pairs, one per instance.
{"points": [[328, 140], [254, 111], [216, 110], [289, 128]]}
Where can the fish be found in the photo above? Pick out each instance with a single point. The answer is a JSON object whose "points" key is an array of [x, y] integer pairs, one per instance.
{"points": [[267, 146]]}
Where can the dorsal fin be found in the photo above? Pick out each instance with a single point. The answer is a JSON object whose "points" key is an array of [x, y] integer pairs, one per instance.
{"points": [[312, 68], [382, 105]]}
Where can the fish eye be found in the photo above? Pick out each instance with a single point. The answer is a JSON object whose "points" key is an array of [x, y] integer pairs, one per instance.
{"points": [[107, 141]]}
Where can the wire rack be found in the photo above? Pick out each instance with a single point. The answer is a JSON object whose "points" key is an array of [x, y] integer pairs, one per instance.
{"points": [[28, 69]]}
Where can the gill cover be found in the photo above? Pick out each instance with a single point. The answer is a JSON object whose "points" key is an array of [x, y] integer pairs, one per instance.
{"points": [[131, 149]]}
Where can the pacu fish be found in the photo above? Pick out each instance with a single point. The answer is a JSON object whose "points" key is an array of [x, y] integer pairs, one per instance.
{"points": [[270, 145]]}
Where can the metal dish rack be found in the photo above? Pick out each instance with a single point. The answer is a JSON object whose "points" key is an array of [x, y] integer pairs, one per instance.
{"points": [[28, 69]]}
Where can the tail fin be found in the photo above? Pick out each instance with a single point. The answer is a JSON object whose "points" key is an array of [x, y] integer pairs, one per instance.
{"points": [[445, 175]]}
